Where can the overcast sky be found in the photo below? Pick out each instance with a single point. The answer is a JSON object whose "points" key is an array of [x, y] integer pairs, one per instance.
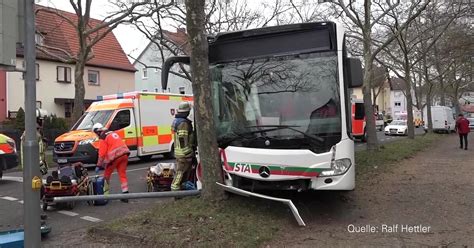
{"points": [[131, 40]]}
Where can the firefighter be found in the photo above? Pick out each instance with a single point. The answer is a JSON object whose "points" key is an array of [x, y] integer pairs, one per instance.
{"points": [[41, 143], [113, 153], [184, 146]]}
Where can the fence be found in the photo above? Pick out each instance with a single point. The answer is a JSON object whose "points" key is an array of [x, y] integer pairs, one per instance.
{"points": [[49, 134]]}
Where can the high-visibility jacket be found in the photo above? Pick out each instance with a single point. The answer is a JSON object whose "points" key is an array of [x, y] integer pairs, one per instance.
{"points": [[183, 136], [111, 147], [42, 150]]}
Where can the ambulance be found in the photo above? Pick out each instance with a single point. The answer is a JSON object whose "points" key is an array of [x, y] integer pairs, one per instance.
{"points": [[142, 119]]}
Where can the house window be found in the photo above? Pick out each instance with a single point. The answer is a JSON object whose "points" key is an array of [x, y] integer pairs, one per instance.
{"points": [[39, 39], [181, 90], [37, 71], [398, 104], [93, 77], [63, 74], [145, 73]]}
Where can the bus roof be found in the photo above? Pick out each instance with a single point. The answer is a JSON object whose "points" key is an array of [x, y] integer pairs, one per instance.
{"points": [[273, 41]]}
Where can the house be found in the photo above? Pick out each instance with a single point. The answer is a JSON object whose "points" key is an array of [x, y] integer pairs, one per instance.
{"points": [[149, 62], [381, 90], [108, 72]]}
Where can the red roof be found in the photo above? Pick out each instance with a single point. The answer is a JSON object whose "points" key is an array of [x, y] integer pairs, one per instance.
{"points": [[58, 33]]}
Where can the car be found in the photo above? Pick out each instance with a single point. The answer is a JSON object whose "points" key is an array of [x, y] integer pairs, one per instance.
{"points": [[379, 121], [8, 154], [470, 118], [397, 127]]}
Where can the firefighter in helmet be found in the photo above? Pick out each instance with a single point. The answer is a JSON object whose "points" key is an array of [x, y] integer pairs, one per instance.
{"points": [[184, 144], [113, 153], [42, 144]]}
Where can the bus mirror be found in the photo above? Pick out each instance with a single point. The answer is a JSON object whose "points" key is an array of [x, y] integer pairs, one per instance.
{"points": [[355, 76], [167, 66]]}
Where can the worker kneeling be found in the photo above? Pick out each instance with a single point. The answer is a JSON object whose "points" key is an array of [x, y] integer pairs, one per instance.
{"points": [[184, 146], [113, 153]]}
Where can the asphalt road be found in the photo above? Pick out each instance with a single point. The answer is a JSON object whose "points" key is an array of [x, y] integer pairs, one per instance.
{"points": [[83, 215], [63, 221]]}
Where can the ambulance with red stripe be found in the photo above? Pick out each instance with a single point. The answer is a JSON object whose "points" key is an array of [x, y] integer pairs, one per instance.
{"points": [[8, 154], [142, 119]]}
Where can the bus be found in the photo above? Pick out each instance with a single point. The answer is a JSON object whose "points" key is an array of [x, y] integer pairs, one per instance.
{"points": [[282, 107]]}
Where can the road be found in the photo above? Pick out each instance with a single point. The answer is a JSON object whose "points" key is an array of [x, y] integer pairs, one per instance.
{"points": [[63, 221], [83, 215]]}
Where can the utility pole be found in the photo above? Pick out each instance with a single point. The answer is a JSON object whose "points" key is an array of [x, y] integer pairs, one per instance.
{"points": [[31, 173]]}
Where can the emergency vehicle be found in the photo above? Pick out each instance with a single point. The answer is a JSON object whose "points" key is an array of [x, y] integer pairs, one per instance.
{"points": [[358, 120], [142, 119], [417, 117], [8, 154]]}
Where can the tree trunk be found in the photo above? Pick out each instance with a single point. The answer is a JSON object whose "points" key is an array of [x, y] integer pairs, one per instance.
{"points": [[411, 126], [208, 149], [372, 142], [428, 112], [80, 90]]}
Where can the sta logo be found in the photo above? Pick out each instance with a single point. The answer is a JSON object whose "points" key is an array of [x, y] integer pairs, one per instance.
{"points": [[244, 168], [172, 111]]}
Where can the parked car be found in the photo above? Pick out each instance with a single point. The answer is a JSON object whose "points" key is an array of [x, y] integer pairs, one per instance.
{"points": [[8, 154], [470, 118], [397, 127], [379, 121]]}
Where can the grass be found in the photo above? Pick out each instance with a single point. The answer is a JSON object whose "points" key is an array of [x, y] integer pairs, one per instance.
{"points": [[368, 162], [191, 222], [238, 221]]}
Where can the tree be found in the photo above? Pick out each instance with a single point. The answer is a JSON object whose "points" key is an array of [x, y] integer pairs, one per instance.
{"points": [[220, 16], [208, 149], [89, 33], [362, 20]]}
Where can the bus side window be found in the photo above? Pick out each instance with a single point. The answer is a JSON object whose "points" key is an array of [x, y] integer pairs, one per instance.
{"points": [[359, 111]]}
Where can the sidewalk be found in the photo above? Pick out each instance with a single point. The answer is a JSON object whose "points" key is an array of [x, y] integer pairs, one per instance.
{"points": [[433, 190]]}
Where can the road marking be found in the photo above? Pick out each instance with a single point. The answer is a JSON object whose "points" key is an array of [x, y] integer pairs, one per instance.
{"points": [[68, 213], [88, 218], [14, 179], [8, 198]]}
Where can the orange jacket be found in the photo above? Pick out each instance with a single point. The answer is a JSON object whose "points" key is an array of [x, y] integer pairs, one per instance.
{"points": [[111, 147]]}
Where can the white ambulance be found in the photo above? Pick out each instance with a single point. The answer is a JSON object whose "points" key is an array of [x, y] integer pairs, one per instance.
{"points": [[142, 119]]}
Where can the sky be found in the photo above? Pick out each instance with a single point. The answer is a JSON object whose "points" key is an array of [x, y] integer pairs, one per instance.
{"points": [[131, 40]]}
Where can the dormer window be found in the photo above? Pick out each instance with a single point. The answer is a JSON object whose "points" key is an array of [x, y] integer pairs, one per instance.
{"points": [[39, 39]]}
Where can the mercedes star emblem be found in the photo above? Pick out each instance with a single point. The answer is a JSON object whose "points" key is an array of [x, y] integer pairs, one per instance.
{"points": [[267, 142], [264, 171], [62, 146]]}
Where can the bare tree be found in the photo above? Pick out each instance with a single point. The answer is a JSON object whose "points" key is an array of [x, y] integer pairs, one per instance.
{"points": [[363, 19], [208, 149], [89, 32]]}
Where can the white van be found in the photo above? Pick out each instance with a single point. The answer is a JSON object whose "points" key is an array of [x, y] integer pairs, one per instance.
{"points": [[442, 118]]}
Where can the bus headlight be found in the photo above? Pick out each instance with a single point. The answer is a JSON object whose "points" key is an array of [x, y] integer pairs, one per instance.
{"points": [[87, 141], [338, 167]]}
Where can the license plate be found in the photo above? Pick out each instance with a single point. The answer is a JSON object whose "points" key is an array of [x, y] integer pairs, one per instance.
{"points": [[62, 160]]}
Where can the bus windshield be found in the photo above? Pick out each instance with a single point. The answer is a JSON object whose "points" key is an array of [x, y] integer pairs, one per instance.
{"points": [[290, 98], [90, 118]]}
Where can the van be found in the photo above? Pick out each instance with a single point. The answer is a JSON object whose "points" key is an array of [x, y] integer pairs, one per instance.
{"points": [[442, 118], [142, 119]]}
